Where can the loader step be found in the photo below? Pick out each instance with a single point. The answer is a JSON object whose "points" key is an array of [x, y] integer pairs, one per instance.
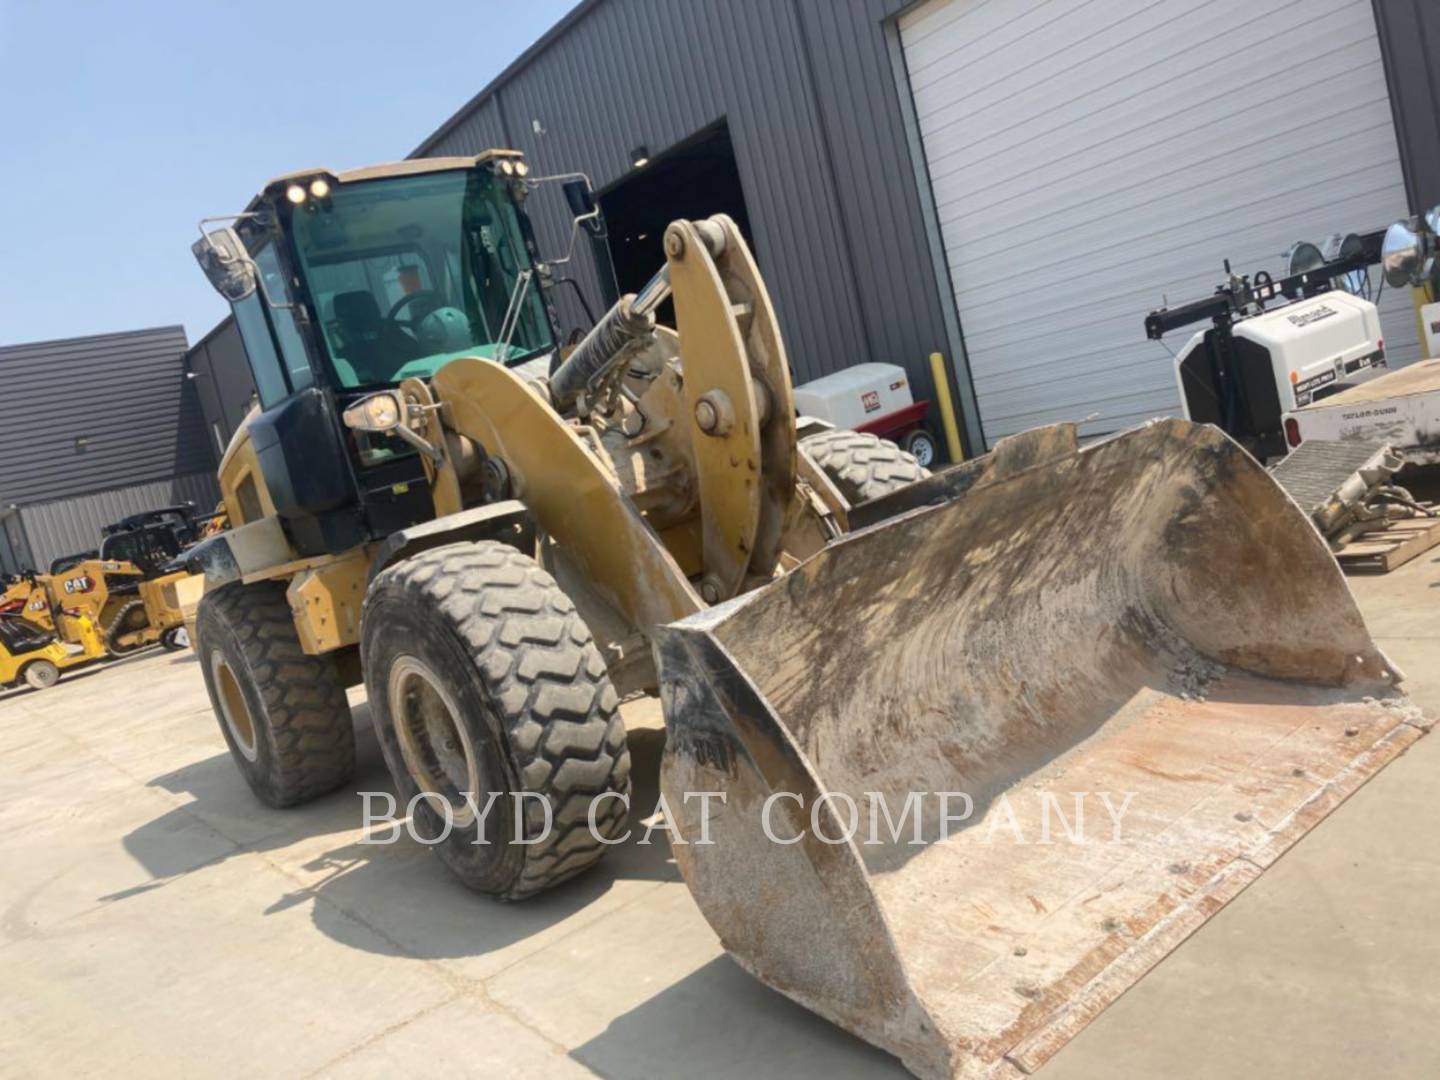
{"points": [[1395, 545]]}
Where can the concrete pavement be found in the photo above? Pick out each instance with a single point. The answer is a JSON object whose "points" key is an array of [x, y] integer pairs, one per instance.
{"points": [[154, 918]]}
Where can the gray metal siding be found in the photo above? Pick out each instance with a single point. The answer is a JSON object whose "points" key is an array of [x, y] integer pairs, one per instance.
{"points": [[67, 526], [1410, 43], [14, 550], [124, 394], [223, 381], [810, 100]]}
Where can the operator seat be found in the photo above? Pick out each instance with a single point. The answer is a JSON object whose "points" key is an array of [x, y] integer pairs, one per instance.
{"points": [[375, 347], [19, 637]]}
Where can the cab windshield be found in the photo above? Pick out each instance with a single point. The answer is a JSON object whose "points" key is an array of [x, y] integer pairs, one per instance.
{"points": [[410, 272]]}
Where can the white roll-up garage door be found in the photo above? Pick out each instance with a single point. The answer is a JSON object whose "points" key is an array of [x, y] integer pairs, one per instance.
{"points": [[1091, 158]]}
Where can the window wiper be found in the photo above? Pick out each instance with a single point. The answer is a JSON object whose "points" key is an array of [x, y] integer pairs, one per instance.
{"points": [[512, 313]]}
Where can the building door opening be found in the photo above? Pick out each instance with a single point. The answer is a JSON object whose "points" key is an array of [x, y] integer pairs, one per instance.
{"points": [[693, 179]]}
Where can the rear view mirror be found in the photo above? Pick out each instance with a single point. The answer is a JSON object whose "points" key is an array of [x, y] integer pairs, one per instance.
{"points": [[228, 266], [582, 205], [1403, 253], [579, 196]]}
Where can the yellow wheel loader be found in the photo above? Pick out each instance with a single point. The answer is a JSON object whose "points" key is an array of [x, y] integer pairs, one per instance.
{"points": [[500, 538]]}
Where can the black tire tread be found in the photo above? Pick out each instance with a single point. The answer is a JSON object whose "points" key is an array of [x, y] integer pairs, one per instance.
{"points": [[116, 628], [862, 466], [547, 680], [304, 696]]}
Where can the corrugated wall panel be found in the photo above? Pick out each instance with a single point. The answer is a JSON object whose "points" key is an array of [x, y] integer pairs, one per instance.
{"points": [[899, 296], [1410, 41], [14, 551], [818, 141], [124, 396], [66, 526], [223, 381]]}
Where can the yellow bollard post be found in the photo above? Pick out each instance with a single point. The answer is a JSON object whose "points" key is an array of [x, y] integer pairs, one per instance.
{"points": [[1420, 298], [947, 409]]}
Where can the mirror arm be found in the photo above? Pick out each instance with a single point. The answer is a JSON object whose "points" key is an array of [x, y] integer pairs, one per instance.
{"points": [[255, 269], [409, 436]]}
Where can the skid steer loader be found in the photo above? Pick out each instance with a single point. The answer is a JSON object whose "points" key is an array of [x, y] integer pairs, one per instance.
{"points": [[123, 588], [131, 607], [500, 539]]}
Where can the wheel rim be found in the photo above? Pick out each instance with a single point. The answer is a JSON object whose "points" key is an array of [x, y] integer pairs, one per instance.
{"points": [[233, 708], [923, 450], [42, 675], [438, 751]]}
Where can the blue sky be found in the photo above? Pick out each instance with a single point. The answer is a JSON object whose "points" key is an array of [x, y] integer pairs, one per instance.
{"points": [[124, 123]]}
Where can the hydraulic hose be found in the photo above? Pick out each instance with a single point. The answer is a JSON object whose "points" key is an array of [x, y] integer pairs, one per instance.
{"points": [[619, 326]]}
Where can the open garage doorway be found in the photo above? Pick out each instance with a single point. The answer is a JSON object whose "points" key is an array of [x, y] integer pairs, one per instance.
{"points": [[693, 179]]}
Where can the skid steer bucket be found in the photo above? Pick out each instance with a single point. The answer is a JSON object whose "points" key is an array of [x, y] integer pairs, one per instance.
{"points": [[1149, 621]]}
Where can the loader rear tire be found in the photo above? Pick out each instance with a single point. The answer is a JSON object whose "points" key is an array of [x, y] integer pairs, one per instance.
{"points": [[41, 674], [283, 713], [862, 466], [483, 678]]}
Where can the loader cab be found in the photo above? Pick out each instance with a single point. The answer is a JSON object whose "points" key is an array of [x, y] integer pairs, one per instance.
{"points": [[344, 284]]}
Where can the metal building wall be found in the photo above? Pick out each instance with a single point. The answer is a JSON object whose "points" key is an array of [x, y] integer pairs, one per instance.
{"points": [[14, 549], [223, 381], [67, 526], [90, 413], [809, 94], [1410, 43]]}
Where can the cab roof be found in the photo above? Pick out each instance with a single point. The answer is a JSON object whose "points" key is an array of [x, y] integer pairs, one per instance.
{"points": [[408, 167]]}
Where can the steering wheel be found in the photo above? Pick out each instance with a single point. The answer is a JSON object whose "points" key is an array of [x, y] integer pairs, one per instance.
{"points": [[434, 299]]}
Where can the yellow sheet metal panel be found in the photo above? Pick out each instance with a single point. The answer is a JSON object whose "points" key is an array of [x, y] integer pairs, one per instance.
{"points": [[569, 489]]}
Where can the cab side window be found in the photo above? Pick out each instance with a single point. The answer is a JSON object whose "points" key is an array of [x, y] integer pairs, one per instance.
{"points": [[260, 349], [292, 346], [278, 371]]}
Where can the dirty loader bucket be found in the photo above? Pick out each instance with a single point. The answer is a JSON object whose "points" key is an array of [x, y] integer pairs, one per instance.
{"points": [[1052, 636]]}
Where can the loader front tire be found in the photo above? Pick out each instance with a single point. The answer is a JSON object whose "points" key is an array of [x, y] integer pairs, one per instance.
{"points": [[482, 678], [861, 465], [283, 713]]}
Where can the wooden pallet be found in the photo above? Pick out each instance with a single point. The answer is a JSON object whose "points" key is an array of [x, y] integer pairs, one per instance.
{"points": [[1380, 552]]}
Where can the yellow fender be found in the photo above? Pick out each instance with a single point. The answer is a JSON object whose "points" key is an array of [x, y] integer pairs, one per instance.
{"points": [[571, 493]]}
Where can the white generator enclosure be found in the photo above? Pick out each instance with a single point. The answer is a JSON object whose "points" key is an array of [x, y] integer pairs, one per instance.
{"points": [[856, 396], [1284, 359]]}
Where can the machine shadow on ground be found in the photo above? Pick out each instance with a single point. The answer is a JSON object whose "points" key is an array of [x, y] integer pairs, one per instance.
{"points": [[719, 1022], [394, 898]]}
